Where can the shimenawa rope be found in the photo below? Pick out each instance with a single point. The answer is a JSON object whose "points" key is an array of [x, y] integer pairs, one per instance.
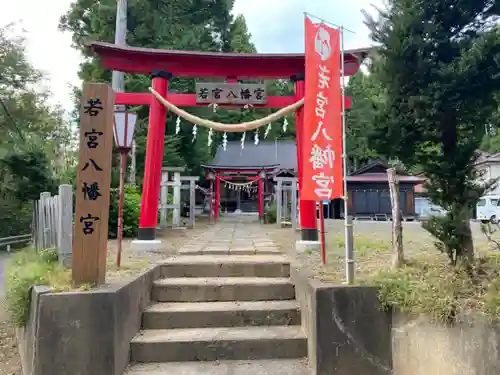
{"points": [[228, 128]]}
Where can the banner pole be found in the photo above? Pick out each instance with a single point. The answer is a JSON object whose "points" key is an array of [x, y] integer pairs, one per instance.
{"points": [[349, 252]]}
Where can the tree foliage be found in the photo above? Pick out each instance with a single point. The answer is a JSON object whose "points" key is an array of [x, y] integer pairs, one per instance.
{"points": [[33, 136], [365, 92], [438, 64], [169, 24]]}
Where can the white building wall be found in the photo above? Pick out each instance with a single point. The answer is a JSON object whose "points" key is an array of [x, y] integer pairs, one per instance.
{"points": [[494, 172], [491, 171]]}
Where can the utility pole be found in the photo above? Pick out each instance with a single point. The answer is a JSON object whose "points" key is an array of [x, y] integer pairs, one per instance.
{"points": [[118, 78]]}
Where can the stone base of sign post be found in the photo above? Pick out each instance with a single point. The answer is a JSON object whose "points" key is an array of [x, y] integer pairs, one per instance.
{"points": [[303, 246]]}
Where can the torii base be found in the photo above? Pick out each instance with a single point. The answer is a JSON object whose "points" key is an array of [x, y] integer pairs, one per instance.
{"points": [[147, 245], [303, 246]]}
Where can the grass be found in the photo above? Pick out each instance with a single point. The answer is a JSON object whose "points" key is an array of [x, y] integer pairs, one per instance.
{"points": [[29, 267], [426, 285], [25, 269], [440, 291]]}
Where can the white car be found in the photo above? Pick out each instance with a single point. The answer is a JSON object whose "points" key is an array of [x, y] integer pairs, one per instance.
{"points": [[488, 209]]}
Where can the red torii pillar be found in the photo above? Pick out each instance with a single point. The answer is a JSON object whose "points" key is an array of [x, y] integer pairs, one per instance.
{"points": [[154, 160], [307, 209]]}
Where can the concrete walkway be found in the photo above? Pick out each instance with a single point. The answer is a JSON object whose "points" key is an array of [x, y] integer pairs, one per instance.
{"points": [[232, 236]]}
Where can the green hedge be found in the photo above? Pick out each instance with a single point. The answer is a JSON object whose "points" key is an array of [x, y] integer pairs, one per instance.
{"points": [[131, 212], [270, 214]]}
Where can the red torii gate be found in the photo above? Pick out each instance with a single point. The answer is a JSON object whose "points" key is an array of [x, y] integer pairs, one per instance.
{"points": [[163, 64]]}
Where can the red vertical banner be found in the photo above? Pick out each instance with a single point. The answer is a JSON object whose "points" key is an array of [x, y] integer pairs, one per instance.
{"points": [[322, 135]]}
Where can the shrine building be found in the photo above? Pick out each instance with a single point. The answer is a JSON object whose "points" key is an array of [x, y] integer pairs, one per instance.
{"points": [[367, 187]]}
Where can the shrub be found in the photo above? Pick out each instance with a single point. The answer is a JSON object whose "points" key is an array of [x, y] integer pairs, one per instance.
{"points": [[15, 217], [26, 269], [131, 212], [441, 293], [270, 214]]}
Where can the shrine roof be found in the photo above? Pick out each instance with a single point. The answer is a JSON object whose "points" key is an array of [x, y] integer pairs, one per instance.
{"points": [[267, 154], [282, 154], [210, 64]]}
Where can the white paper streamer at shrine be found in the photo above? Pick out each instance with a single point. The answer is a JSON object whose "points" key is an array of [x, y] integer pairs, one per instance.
{"points": [[177, 125], [224, 141], [266, 132], [256, 137], [243, 140], [195, 129], [210, 135]]}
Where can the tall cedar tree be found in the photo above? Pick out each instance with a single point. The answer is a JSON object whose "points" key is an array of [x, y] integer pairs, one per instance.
{"points": [[439, 65]]}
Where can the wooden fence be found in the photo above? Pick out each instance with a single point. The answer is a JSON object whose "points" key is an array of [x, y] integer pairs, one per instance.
{"points": [[53, 223]]}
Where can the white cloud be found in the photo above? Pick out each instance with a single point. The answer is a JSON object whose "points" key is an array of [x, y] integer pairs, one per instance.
{"points": [[48, 49]]}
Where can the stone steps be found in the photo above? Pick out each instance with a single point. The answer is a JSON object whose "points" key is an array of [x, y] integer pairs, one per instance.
{"points": [[296, 366], [221, 307], [222, 251], [266, 265], [210, 344], [221, 314], [207, 289]]}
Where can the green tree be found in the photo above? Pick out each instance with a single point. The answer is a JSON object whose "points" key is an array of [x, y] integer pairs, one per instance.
{"points": [[34, 138], [491, 140], [365, 92], [165, 24], [439, 63]]}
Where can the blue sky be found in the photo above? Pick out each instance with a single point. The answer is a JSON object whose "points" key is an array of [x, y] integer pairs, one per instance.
{"points": [[276, 26]]}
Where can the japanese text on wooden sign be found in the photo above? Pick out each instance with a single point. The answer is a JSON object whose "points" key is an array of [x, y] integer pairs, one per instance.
{"points": [[230, 93], [93, 183], [322, 134]]}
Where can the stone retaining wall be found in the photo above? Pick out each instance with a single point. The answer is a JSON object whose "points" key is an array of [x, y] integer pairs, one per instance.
{"points": [[80, 333], [89, 333], [468, 348], [349, 334], [347, 331]]}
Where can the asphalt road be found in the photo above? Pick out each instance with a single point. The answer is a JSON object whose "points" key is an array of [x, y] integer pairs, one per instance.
{"points": [[3, 259]]}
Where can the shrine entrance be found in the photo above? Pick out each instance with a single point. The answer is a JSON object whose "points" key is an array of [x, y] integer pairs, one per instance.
{"points": [[163, 64], [241, 190]]}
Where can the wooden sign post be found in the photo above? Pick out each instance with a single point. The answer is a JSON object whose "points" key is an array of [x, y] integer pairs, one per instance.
{"points": [[93, 182]]}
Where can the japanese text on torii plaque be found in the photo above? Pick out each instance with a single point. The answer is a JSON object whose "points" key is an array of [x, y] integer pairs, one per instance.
{"points": [[93, 183], [230, 93]]}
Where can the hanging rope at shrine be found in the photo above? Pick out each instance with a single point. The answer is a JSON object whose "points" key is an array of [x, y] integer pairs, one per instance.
{"points": [[238, 183], [229, 128], [246, 186]]}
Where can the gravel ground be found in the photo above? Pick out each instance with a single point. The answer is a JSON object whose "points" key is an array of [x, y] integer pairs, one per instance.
{"points": [[10, 363], [133, 263], [372, 242]]}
